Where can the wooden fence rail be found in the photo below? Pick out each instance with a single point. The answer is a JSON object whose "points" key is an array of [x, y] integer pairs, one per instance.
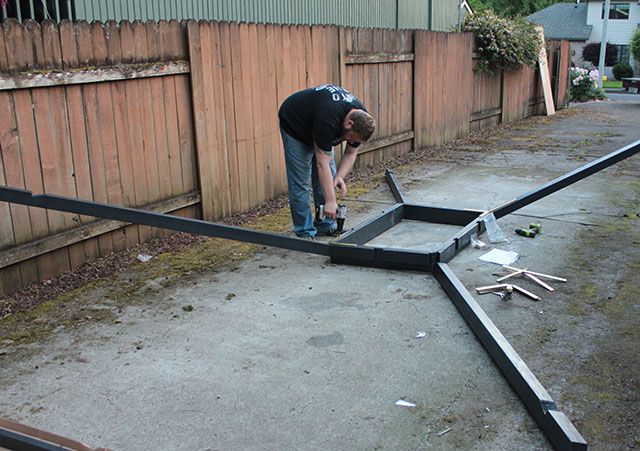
{"points": [[182, 117]]}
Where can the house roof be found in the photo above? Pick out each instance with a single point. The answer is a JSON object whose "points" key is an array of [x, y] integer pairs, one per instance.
{"points": [[564, 21]]}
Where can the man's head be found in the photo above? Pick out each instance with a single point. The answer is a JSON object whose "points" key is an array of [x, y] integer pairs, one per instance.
{"points": [[358, 126]]}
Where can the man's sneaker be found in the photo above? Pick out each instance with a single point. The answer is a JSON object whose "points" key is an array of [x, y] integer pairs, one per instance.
{"points": [[308, 238]]}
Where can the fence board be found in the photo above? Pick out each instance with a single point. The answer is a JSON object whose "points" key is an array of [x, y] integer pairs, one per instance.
{"points": [[257, 65], [230, 133], [244, 120], [276, 159], [11, 225], [216, 112]]}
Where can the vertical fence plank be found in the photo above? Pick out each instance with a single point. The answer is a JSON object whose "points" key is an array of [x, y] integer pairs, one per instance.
{"points": [[256, 97], [264, 164], [226, 63], [14, 221], [217, 111], [236, 103], [108, 138], [171, 117], [199, 106], [244, 123], [77, 134], [82, 150], [135, 143], [145, 93], [276, 159], [213, 166], [129, 234], [158, 115]]}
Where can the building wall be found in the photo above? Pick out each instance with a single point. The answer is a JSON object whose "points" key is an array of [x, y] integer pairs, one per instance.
{"points": [[412, 14], [619, 32]]}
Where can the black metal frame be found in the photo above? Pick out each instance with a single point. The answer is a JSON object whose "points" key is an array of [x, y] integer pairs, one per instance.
{"points": [[351, 249]]}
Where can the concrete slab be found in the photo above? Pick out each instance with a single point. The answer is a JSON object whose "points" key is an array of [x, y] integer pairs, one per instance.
{"points": [[288, 351]]}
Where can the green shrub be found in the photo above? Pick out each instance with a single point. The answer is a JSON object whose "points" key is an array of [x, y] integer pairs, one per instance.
{"points": [[635, 45], [503, 43], [622, 70]]}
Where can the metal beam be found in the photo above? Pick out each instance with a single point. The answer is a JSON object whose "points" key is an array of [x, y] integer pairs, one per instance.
{"points": [[132, 215], [386, 258], [439, 215], [370, 229], [567, 179], [556, 426], [395, 186]]}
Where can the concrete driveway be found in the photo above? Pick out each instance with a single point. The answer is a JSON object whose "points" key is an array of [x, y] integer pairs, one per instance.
{"points": [[288, 351]]}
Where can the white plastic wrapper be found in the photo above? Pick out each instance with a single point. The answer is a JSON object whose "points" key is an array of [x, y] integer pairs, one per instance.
{"points": [[494, 233]]}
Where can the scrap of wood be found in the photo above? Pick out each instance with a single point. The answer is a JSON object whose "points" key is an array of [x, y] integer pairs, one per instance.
{"points": [[533, 296], [441, 433], [491, 288], [508, 288], [516, 273], [547, 276], [539, 282]]}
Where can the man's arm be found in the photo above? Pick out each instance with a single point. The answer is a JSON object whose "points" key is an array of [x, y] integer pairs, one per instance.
{"points": [[325, 177], [346, 163]]}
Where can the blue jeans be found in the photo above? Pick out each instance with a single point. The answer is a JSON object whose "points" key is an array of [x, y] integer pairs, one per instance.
{"points": [[300, 160]]}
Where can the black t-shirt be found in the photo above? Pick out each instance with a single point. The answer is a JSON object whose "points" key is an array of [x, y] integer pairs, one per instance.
{"points": [[316, 115]]}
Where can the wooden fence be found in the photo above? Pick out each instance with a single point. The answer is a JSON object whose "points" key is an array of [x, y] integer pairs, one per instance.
{"points": [[182, 118]]}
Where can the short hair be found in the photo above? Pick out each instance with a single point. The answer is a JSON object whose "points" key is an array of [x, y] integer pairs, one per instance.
{"points": [[363, 124]]}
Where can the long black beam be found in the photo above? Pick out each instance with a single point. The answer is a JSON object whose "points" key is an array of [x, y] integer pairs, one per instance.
{"points": [[386, 258], [395, 186], [439, 215], [370, 229], [556, 426], [460, 240], [18, 442], [132, 215], [567, 179]]}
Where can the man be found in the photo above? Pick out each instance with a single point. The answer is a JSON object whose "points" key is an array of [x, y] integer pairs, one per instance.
{"points": [[311, 123]]}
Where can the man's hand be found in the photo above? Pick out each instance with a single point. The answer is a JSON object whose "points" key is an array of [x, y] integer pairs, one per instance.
{"points": [[330, 210], [338, 183]]}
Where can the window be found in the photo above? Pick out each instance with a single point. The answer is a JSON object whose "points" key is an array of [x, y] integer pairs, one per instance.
{"points": [[622, 53], [618, 11], [37, 9]]}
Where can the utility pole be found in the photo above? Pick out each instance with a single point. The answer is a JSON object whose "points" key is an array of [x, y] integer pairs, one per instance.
{"points": [[603, 42]]}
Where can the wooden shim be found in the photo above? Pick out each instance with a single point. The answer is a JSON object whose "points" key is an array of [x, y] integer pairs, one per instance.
{"points": [[51, 243]]}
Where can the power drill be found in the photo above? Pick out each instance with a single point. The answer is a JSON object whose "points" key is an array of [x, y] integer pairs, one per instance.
{"points": [[341, 215]]}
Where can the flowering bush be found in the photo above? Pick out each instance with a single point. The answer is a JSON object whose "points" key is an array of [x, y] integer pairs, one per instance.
{"points": [[503, 43], [584, 85]]}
